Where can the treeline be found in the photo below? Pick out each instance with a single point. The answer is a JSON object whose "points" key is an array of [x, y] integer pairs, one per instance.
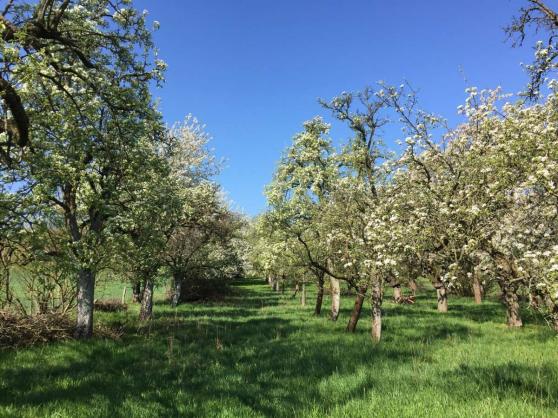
{"points": [[469, 208], [92, 182]]}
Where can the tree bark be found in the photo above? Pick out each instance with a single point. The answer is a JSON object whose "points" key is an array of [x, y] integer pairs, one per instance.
{"points": [[477, 289], [303, 296], [136, 292], [335, 298], [146, 311], [357, 309], [320, 295], [413, 286], [376, 310], [85, 302], [177, 289], [511, 300], [297, 288], [397, 292], [553, 310], [442, 295]]}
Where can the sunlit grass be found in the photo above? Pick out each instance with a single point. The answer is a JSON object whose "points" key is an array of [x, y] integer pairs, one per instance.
{"points": [[261, 354]]}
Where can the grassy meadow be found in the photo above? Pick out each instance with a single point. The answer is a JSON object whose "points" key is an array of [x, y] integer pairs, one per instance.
{"points": [[260, 354]]}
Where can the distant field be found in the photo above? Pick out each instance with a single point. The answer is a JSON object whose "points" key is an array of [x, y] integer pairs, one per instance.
{"points": [[107, 287], [261, 354]]}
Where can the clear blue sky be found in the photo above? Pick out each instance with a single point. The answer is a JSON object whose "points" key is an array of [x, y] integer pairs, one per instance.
{"points": [[252, 69]]}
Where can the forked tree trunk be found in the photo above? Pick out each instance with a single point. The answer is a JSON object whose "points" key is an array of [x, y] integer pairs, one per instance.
{"points": [[320, 295], [146, 311], [85, 302], [413, 286], [357, 309], [511, 301], [477, 289], [177, 289], [136, 292], [335, 298], [376, 332], [303, 296], [442, 295]]}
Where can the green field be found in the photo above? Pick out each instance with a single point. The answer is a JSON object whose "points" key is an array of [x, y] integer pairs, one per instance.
{"points": [[262, 354]]}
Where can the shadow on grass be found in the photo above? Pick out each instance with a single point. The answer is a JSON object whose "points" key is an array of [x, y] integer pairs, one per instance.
{"points": [[252, 353], [511, 379]]}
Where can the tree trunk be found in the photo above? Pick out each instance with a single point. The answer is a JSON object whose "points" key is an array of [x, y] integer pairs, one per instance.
{"points": [[42, 304], [303, 296], [297, 288], [320, 295], [477, 289], [146, 311], [335, 298], [442, 294], [413, 286], [85, 302], [397, 292], [177, 289], [511, 300], [553, 309], [357, 309], [136, 292], [9, 298], [376, 310]]}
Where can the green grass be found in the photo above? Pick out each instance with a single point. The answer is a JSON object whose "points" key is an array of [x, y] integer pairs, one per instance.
{"points": [[278, 360]]}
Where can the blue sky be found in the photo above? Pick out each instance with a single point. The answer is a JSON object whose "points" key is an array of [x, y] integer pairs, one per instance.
{"points": [[252, 70]]}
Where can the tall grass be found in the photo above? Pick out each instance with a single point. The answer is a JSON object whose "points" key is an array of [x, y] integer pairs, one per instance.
{"points": [[261, 354]]}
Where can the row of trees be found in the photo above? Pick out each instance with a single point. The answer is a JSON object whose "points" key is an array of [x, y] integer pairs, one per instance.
{"points": [[466, 207], [473, 206], [91, 179]]}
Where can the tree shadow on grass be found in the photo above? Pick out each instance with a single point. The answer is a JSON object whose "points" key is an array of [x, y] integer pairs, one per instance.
{"points": [[238, 354], [258, 365], [509, 380]]}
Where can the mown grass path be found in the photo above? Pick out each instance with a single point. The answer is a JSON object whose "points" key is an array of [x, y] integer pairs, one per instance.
{"points": [[261, 354]]}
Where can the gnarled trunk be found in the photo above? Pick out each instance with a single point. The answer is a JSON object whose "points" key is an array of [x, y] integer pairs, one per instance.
{"points": [[85, 302], [146, 311], [176, 289], [320, 295], [335, 298], [477, 289], [376, 332], [442, 295], [357, 309], [511, 301]]}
